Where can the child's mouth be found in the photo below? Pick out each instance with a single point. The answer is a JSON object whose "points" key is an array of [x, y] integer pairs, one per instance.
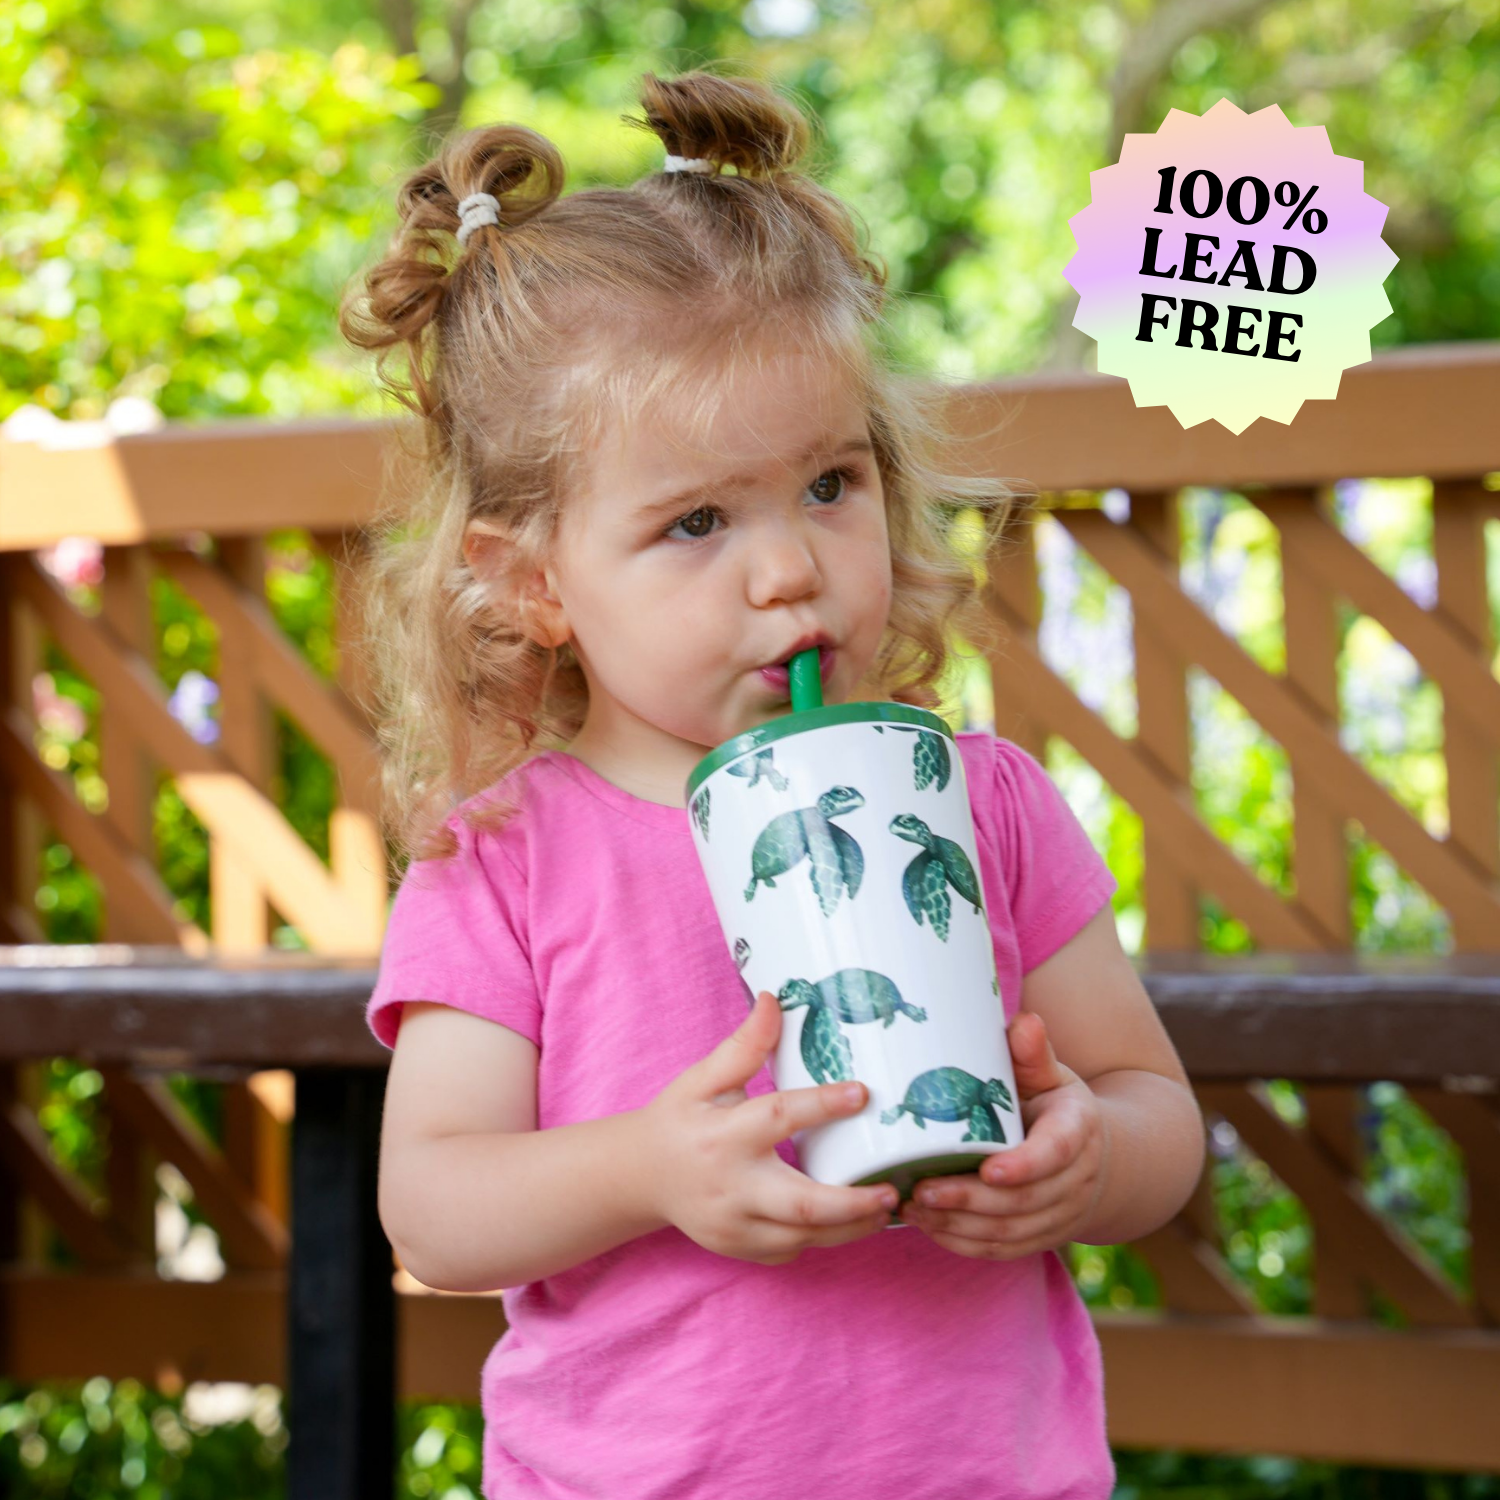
{"points": [[780, 677]]}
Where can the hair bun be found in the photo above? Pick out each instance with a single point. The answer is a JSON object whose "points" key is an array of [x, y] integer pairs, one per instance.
{"points": [[522, 169], [738, 122], [406, 290]]}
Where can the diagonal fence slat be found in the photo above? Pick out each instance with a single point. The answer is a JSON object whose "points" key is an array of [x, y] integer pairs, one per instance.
{"points": [[232, 809], [1444, 869], [1158, 799], [1473, 1121], [130, 882], [1453, 661], [279, 668], [26, 1154], [251, 1236], [1193, 1276], [1360, 1236]]}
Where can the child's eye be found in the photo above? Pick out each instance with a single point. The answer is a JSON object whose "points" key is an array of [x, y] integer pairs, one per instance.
{"points": [[846, 475]]}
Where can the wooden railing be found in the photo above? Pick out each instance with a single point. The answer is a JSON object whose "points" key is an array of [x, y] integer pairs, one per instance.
{"points": [[152, 499]]}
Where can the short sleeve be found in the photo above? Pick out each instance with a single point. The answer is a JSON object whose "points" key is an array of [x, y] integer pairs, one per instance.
{"points": [[1055, 878], [457, 935]]}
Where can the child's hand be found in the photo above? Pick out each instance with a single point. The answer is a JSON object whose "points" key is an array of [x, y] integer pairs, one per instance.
{"points": [[1036, 1195], [712, 1168]]}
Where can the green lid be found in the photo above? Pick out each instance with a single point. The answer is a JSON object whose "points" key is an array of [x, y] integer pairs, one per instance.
{"points": [[812, 718]]}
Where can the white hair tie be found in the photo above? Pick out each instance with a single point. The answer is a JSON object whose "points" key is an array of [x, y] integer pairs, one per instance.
{"points": [[687, 164], [477, 209]]}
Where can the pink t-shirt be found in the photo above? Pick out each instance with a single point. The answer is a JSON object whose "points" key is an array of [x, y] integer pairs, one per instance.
{"points": [[888, 1368]]}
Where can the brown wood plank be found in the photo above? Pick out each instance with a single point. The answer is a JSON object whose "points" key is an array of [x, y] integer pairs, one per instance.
{"points": [[1426, 409], [20, 830], [1337, 1392], [125, 602], [1332, 1114], [1320, 851], [243, 477], [241, 913], [1163, 734], [1012, 593], [1320, 1017], [1473, 1122], [1299, 1387], [1458, 549], [73, 1326]]}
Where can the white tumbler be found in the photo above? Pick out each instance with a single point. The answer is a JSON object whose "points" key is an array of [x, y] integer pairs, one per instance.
{"points": [[838, 844]]}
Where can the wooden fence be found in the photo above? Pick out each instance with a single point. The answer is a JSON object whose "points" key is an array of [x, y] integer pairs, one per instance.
{"points": [[1209, 1372]]}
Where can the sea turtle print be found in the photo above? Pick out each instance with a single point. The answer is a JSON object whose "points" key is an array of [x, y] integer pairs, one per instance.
{"points": [[952, 1094], [741, 958], [825, 1048], [758, 766], [926, 880], [700, 812], [853, 995], [929, 755], [835, 861]]}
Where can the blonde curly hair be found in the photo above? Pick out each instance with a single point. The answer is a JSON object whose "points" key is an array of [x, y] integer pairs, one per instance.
{"points": [[566, 317]]}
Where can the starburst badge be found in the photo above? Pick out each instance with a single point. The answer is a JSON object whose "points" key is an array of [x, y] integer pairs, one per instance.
{"points": [[1230, 266]]}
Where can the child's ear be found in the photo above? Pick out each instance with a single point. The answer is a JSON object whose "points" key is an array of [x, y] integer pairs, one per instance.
{"points": [[531, 597]]}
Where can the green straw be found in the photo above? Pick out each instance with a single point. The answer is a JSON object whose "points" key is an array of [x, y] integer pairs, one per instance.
{"points": [[806, 681]]}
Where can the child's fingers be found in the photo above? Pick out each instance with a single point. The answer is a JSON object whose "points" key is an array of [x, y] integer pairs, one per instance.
{"points": [[982, 1234], [1036, 1066], [972, 1193], [1053, 1139]]}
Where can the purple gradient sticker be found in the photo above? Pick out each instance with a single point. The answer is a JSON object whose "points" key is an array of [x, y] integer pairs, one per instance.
{"points": [[1230, 266]]}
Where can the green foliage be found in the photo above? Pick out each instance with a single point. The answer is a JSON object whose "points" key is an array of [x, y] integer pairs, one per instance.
{"points": [[124, 1440]]}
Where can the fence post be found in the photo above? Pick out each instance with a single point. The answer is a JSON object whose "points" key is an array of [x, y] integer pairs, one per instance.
{"points": [[341, 1299]]}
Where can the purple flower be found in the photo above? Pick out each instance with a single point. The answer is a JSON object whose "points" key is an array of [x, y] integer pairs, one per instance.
{"points": [[190, 703]]}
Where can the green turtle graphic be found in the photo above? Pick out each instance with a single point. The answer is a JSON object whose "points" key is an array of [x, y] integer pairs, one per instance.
{"points": [[825, 1048], [852, 995], [926, 880], [835, 860], [952, 1094], [995, 983], [929, 755], [741, 958], [758, 766], [700, 812]]}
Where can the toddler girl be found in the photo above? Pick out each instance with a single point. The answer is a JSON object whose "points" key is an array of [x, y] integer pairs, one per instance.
{"points": [[659, 452]]}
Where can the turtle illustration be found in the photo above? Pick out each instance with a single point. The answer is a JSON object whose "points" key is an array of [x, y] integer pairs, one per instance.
{"points": [[825, 1048], [741, 958], [852, 995], [952, 1094], [700, 812], [758, 766], [835, 859], [929, 755], [995, 983], [926, 879]]}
